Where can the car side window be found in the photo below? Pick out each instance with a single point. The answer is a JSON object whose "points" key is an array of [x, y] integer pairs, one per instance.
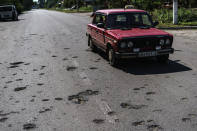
{"points": [[146, 20], [99, 19]]}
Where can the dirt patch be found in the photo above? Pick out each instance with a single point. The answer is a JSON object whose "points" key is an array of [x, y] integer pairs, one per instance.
{"points": [[93, 68], [44, 110], [186, 119], [17, 63], [98, 121], [138, 123], [45, 99], [150, 93], [64, 59], [3, 119], [58, 98], [27, 63], [154, 127], [19, 79], [132, 106], [20, 88], [82, 97], [42, 67], [13, 66], [41, 74], [75, 57], [29, 126], [40, 84], [71, 68]]}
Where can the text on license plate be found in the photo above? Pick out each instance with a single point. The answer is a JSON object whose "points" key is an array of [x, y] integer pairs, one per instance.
{"points": [[147, 54]]}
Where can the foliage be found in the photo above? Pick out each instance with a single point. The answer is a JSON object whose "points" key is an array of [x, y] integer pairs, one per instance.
{"points": [[20, 4], [184, 15]]}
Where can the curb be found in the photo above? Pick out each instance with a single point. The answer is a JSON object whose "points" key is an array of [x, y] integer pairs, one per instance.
{"points": [[179, 28]]}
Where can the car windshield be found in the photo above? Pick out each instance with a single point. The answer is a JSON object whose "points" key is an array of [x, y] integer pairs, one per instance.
{"points": [[5, 8], [129, 20]]}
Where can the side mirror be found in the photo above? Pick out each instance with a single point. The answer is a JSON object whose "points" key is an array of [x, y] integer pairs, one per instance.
{"points": [[100, 25], [155, 23]]}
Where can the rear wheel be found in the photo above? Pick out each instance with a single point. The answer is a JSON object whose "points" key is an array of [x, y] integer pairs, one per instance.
{"points": [[113, 61], [91, 45], [163, 58]]}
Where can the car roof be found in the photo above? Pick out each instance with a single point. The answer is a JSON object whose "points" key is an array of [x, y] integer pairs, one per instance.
{"points": [[109, 11]]}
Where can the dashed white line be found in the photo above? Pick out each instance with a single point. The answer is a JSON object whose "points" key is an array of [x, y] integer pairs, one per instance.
{"points": [[103, 105]]}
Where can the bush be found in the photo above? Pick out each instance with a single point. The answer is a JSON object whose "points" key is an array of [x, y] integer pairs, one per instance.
{"points": [[166, 15]]}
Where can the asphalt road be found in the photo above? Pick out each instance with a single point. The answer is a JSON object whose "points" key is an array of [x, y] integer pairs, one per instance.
{"points": [[51, 81]]}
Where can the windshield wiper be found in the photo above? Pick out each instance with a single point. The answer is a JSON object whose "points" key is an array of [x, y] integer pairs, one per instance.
{"points": [[126, 28], [144, 27]]}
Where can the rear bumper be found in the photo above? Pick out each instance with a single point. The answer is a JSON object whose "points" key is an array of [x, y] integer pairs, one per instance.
{"points": [[136, 55]]}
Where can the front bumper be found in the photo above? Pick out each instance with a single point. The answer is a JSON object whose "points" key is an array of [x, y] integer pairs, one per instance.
{"points": [[136, 55]]}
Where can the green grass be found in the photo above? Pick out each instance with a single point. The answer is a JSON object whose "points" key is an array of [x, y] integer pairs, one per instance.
{"points": [[81, 10], [181, 24]]}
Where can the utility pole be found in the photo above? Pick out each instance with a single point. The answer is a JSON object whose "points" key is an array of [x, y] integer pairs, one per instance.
{"points": [[77, 5], [175, 12]]}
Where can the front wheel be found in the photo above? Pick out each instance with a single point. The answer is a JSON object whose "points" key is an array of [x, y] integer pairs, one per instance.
{"points": [[113, 61], [91, 45], [163, 58]]}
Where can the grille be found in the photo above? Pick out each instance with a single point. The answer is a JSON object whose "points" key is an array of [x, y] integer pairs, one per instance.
{"points": [[146, 43]]}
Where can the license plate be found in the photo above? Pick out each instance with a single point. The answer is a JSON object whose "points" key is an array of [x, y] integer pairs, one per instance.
{"points": [[147, 54]]}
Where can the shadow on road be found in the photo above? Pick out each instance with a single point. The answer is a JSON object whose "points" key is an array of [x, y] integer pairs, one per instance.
{"points": [[148, 66], [151, 66], [10, 20]]}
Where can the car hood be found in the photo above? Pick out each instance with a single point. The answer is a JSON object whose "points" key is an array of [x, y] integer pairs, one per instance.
{"points": [[135, 32]]}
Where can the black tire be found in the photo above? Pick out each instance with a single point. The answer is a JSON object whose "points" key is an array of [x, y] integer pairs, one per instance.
{"points": [[163, 59], [16, 18], [113, 61], [91, 45]]}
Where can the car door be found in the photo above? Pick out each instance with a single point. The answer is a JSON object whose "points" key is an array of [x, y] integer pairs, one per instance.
{"points": [[98, 33], [101, 32]]}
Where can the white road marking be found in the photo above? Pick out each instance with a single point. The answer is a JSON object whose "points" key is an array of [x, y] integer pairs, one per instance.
{"points": [[106, 109], [85, 78], [103, 105], [75, 63]]}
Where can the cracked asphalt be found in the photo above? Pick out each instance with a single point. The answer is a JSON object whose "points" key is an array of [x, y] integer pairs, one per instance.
{"points": [[51, 81]]}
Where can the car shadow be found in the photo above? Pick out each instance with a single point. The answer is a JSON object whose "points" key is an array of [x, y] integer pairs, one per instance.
{"points": [[149, 66], [10, 20]]}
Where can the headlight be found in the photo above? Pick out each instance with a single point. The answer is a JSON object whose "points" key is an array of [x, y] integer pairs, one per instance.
{"points": [[130, 44], [162, 42], [168, 42], [123, 45]]}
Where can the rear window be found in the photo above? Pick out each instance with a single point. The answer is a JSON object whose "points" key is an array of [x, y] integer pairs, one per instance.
{"points": [[5, 8]]}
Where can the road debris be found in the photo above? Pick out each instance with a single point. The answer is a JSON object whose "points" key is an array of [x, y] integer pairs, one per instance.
{"points": [[81, 97], [3, 119], [44, 110], [45, 99], [98, 121], [138, 123], [40, 84], [17, 63], [93, 68], [186, 119], [132, 106], [154, 127], [29, 126], [20, 88], [150, 93], [71, 68], [58, 98]]}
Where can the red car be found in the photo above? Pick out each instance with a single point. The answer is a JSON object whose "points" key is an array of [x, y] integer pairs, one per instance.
{"points": [[128, 33]]}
